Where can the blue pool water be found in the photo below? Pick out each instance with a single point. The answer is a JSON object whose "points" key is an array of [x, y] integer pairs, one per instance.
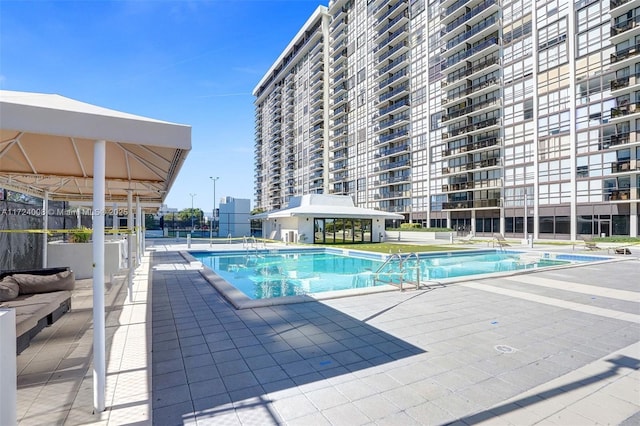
{"points": [[263, 275]]}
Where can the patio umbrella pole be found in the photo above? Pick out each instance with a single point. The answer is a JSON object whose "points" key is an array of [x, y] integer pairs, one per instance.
{"points": [[99, 373]]}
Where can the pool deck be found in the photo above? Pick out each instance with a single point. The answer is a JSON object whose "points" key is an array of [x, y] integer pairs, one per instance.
{"points": [[555, 347]]}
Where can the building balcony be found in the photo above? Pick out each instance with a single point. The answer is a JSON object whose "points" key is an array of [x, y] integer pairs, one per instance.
{"points": [[385, 12], [476, 90], [623, 54], [396, 92], [625, 110], [462, 186], [483, 65], [396, 50], [448, 7], [620, 139], [458, 59], [453, 20], [624, 166], [392, 67], [398, 77], [475, 108], [472, 204], [478, 126], [474, 32], [618, 195], [392, 180], [393, 24], [402, 164], [339, 89], [382, 153], [621, 28], [386, 125], [342, 143], [464, 149], [336, 37], [614, 4], [396, 107], [400, 32], [341, 56], [317, 128], [394, 136]]}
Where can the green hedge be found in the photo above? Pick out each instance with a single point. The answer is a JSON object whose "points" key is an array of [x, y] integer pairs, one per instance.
{"points": [[417, 227]]}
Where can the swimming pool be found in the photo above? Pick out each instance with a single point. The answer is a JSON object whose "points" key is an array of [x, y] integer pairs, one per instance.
{"points": [[277, 274]]}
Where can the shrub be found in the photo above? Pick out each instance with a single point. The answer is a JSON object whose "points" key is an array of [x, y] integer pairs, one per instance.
{"points": [[80, 235], [410, 225]]}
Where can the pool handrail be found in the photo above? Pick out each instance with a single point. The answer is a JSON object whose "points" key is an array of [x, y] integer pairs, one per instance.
{"points": [[401, 261]]}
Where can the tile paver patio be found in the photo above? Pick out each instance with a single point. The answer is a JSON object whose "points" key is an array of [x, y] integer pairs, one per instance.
{"points": [[433, 356]]}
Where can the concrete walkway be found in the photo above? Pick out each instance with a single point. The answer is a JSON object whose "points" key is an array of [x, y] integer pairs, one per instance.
{"points": [[554, 347]]}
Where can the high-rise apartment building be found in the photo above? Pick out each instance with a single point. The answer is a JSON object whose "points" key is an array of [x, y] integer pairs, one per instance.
{"points": [[493, 116]]}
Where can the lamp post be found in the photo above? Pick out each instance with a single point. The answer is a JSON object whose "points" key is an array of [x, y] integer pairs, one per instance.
{"points": [[213, 214], [192, 195]]}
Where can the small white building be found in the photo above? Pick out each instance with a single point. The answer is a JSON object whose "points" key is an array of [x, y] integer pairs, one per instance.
{"points": [[233, 217], [325, 219]]}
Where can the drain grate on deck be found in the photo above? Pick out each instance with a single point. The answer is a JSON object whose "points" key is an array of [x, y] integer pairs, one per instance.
{"points": [[504, 349]]}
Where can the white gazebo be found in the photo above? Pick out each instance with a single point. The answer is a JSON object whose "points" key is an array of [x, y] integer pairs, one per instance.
{"points": [[58, 148], [324, 218]]}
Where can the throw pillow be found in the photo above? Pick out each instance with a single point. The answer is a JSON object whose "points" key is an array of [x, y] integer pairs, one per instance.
{"points": [[9, 289]]}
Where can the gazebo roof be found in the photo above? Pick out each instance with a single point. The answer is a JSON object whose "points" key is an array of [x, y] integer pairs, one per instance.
{"points": [[46, 148], [326, 205]]}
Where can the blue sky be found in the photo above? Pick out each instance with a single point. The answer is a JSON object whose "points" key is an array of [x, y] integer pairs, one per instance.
{"points": [[188, 62]]}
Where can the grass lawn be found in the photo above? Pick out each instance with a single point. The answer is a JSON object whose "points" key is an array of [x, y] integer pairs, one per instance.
{"points": [[395, 248]]}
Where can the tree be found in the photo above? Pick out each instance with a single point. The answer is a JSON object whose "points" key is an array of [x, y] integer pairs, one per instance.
{"points": [[185, 216]]}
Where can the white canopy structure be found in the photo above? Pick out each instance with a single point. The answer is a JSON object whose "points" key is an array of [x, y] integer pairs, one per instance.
{"points": [[326, 205], [46, 146], [58, 148]]}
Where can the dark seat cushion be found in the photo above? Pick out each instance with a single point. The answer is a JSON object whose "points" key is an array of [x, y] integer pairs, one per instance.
{"points": [[33, 284]]}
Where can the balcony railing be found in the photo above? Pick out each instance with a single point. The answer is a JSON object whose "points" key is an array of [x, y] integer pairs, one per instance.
{"points": [[471, 127], [467, 16], [394, 49], [623, 54], [472, 108], [624, 26], [391, 136], [473, 31], [471, 51], [395, 106], [468, 204], [396, 90], [467, 71], [625, 110]]}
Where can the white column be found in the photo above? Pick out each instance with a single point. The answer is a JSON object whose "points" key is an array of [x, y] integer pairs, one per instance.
{"points": [[130, 242], [99, 359], [8, 380], [139, 234], [114, 225], [79, 218], [45, 227]]}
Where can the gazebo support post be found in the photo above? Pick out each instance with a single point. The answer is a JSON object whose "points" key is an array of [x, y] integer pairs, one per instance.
{"points": [[130, 242], [45, 227], [99, 358], [138, 231]]}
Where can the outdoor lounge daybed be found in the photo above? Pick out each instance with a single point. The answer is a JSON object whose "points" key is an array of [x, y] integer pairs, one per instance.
{"points": [[40, 297]]}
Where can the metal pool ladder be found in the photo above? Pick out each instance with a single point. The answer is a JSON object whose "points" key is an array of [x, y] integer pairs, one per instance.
{"points": [[402, 269]]}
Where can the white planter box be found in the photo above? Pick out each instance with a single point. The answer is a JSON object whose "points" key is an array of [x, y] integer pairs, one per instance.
{"points": [[79, 257]]}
